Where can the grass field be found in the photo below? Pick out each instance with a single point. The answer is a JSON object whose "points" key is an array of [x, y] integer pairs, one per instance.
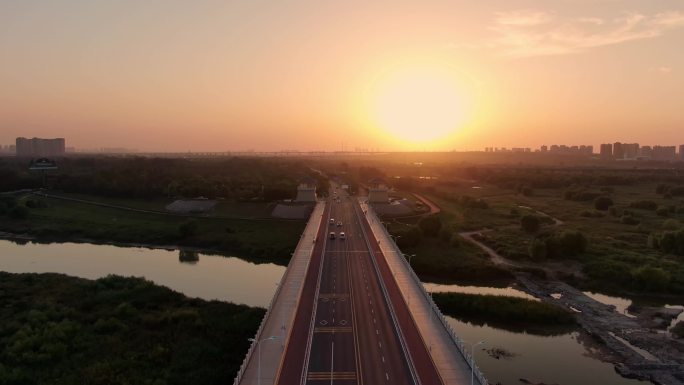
{"points": [[65, 220], [223, 208], [618, 248]]}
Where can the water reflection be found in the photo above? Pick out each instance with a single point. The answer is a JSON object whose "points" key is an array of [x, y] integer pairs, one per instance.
{"points": [[188, 256], [505, 291], [568, 359], [217, 277]]}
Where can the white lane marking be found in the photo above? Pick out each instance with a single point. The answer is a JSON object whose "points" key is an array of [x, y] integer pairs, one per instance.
{"points": [[383, 358], [387, 376], [380, 344], [373, 319], [377, 332]]}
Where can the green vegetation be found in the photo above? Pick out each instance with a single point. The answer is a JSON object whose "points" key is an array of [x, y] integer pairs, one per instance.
{"points": [[63, 330], [615, 229], [59, 220], [519, 314], [602, 203], [231, 178], [530, 223]]}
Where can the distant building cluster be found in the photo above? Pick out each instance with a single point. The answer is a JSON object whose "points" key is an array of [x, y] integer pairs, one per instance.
{"points": [[38, 147], [516, 150], [611, 151], [632, 151], [8, 149], [563, 149]]}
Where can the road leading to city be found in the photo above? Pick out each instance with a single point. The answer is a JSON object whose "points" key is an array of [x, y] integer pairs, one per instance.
{"points": [[352, 325]]}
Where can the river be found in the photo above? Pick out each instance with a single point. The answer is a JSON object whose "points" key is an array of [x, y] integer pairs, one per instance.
{"points": [[562, 359]]}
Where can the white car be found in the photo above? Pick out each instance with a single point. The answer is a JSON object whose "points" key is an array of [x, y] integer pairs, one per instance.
{"points": [[343, 235], [332, 221], [339, 224]]}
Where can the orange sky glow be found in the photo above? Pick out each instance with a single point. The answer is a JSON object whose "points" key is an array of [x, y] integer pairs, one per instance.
{"points": [[166, 75]]}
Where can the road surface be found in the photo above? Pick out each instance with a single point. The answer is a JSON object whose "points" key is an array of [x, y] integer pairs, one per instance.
{"points": [[346, 326]]}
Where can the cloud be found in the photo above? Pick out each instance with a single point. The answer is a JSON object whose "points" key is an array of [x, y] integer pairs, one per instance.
{"points": [[535, 33], [662, 70], [523, 18]]}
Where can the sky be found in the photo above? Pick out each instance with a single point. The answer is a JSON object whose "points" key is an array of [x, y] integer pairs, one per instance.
{"points": [[167, 75]]}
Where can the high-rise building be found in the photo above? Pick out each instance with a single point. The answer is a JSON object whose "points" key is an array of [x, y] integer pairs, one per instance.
{"points": [[40, 147], [646, 152], [606, 151], [681, 151], [630, 150], [664, 152], [618, 153]]}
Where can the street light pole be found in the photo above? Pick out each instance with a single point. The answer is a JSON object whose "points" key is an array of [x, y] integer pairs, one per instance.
{"points": [[259, 362], [472, 359]]}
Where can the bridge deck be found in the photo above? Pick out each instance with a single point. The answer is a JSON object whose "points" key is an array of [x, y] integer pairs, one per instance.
{"points": [[452, 363]]}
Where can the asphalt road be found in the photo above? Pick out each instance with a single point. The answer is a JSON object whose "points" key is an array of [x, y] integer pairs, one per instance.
{"points": [[343, 327]]}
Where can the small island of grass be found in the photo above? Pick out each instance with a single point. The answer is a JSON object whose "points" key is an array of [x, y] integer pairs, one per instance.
{"points": [[510, 313]]}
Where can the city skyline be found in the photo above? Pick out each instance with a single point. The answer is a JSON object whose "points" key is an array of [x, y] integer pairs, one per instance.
{"points": [[217, 76]]}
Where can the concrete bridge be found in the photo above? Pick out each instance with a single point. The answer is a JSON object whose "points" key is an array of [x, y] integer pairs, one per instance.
{"points": [[352, 311]]}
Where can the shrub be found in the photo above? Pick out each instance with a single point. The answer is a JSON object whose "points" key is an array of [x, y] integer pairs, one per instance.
{"points": [[671, 224], [566, 244], [473, 203], [662, 211], [188, 228], [629, 220], [668, 241], [651, 278], [603, 203], [538, 250], [644, 205], [606, 270], [430, 225], [581, 195], [530, 223], [18, 212]]}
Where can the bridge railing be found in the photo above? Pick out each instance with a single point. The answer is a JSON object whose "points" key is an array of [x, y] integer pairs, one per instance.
{"points": [[253, 346], [462, 347]]}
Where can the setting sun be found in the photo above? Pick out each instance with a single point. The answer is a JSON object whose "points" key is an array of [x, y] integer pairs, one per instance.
{"points": [[419, 105]]}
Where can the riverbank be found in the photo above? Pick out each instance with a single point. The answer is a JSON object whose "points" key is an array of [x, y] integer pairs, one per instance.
{"points": [[61, 329], [57, 220]]}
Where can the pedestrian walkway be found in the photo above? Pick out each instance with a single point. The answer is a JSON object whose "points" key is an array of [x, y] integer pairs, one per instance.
{"points": [[449, 353], [276, 324]]}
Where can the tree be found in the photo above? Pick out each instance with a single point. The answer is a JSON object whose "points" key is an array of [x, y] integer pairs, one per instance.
{"points": [[410, 237], [18, 212], [603, 203], [430, 225], [188, 228], [530, 223]]}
